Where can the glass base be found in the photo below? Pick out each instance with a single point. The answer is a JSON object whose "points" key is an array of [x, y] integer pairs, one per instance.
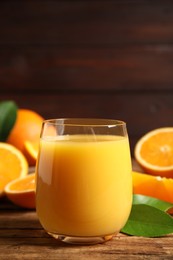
{"points": [[82, 240]]}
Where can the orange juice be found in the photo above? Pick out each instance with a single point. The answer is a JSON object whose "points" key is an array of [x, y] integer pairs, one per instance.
{"points": [[84, 184]]}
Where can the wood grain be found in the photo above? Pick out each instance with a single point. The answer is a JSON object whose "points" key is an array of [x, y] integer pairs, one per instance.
{"points": [[22, 237], [141, 112], [86, 22], [111, 59], [96, 45], [45, 68]]}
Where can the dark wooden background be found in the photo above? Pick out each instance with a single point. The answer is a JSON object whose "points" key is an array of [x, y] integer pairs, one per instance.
{"points": [[109, 59]]}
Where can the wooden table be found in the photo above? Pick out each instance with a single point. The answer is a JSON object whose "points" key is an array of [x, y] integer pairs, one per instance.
{"points": [[22, 237]]}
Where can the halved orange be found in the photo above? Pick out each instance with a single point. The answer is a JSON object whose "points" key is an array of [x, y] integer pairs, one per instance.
{"points": [[153, 186], [154, 152], [31, 151], [13, 164], [22, 191]]}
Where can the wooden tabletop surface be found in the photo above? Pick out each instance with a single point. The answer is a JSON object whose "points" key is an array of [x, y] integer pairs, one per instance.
{"points": [[22, 237]]}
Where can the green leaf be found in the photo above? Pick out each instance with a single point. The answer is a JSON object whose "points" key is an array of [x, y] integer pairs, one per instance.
{"points": [[148, 221], [159, 204], [8, 113]]}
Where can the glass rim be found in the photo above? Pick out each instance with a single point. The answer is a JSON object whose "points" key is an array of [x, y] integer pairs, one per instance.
{"points": [[94, 122]]}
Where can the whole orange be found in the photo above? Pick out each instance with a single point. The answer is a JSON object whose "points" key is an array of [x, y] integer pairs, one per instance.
{"points": [[26, 128]]}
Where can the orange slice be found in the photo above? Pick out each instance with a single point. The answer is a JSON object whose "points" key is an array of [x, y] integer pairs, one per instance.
{"points": [[13, 164], [22, 191], [31, 151], [154, 152], [153, 186]]}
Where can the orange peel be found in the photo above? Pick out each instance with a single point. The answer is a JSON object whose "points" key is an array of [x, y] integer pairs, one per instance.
{"points": [[153, 186], [21, 191], [26, 128]]}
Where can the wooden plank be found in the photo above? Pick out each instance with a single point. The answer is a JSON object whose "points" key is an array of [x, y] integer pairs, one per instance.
{"points": [[22, 237], [66, 69], [18, 218], [86, 45], [120, 247], [22, 232], [85, 22], [142, 111]]}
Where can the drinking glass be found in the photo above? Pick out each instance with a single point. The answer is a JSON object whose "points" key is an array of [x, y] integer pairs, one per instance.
{"points": [[83, 179]]}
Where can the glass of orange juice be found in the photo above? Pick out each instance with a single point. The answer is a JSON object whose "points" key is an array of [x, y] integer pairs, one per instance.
{"points": [[83, 179]]}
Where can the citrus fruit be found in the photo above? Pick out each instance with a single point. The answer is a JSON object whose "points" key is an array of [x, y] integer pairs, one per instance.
{"points": [[12, 164], [153, 186], [31, 151], [21, 191], [154, 152], [26, 128]]}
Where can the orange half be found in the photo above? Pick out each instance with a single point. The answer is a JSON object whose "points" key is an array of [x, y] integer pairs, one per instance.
{"points": [[154, 152], [13, 165], [22, 191]]}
